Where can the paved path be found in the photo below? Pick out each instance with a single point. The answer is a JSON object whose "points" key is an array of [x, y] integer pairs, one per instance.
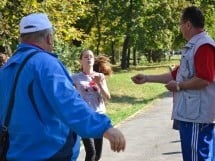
{"points": [[149, 136]]}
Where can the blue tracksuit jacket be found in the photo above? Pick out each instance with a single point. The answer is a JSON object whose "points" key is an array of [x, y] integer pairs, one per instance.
{"points": [[48, 110]]}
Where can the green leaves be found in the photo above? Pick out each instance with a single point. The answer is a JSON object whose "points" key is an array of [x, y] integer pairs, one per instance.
{"points": [[63, 14], [103, 26]]}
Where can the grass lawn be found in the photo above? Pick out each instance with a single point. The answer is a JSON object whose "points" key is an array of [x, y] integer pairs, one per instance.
{"points": [[127, 97]]}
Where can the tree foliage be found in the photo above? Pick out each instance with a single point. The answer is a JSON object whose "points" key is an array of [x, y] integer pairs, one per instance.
{"points": [[123, 30], [64, 14]]}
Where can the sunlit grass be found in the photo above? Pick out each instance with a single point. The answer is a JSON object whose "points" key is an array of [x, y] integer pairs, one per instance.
{"points": [[127, 97]]}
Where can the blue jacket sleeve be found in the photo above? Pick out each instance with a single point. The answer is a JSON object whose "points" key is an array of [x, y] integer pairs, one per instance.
{"points": [[67, 102]]}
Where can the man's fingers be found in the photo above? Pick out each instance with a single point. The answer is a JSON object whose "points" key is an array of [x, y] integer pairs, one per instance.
{"points": [[119, 144], [116, 138]]}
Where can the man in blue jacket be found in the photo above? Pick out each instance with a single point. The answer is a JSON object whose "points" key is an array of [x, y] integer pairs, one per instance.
{"points": [[47, 111]]}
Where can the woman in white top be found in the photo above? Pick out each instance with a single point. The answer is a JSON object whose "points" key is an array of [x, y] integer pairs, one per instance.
{"points": [[92, 86]]}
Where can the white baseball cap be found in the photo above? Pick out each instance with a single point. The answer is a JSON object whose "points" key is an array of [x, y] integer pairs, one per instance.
{"points": [[34, 22]]}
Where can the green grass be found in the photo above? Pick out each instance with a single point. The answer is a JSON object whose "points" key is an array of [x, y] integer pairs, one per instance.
{"points": [[127, 97]]}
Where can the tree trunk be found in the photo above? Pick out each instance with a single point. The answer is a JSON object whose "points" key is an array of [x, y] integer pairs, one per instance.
{"points": [[128, 57], [113, 61], [124, 64], [98, 31], [134, 56]]}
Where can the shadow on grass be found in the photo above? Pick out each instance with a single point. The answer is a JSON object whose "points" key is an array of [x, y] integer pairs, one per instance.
{"points": [[133, 100]]}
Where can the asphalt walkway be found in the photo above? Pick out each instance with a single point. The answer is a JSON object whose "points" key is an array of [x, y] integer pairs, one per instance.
{"points": [[149, 136]]}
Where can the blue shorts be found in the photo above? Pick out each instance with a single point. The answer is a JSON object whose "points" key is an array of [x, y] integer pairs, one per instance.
{"points": [[197, 141]]}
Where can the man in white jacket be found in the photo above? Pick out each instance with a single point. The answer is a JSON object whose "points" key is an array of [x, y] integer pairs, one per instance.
{"points": [[194, 88]]}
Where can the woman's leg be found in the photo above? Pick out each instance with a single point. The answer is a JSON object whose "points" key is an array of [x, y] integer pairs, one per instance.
{"points": [[89, 149], [98, 146]]}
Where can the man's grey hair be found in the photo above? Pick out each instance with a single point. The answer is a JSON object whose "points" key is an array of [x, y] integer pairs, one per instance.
{"points": [[36, 36]]}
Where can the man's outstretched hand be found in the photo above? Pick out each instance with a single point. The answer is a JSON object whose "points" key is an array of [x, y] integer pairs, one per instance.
{"points": [[139, 79]]}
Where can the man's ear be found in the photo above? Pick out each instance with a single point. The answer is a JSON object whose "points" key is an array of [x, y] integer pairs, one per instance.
{"points": [[49, 39], [189, 25]]}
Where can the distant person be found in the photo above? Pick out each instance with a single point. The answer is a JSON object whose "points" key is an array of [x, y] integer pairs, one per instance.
{"points": [[91, 84], [3, 56], [48, 111], [193, 84]]}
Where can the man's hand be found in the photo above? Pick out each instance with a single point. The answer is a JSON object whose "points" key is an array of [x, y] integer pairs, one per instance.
{"points": [[172, 86], [139, 79], [116, 139]]}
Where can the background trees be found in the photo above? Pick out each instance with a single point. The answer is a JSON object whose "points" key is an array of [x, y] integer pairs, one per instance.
{"points": [[126, 31]]}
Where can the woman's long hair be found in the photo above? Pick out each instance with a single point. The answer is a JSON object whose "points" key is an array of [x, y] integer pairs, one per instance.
{"points": [[102, 65]]}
